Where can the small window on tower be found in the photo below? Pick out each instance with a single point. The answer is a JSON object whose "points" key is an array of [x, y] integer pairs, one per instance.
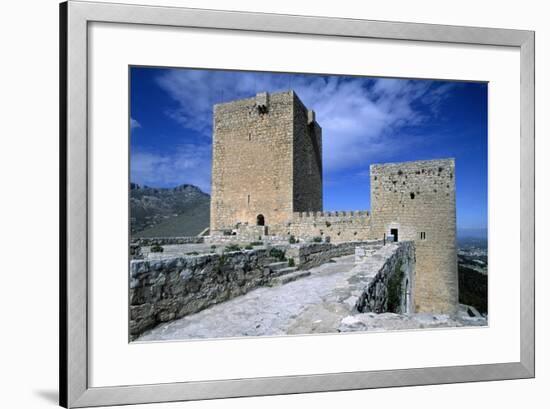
{"points": [[250, 136], [248, 200], [422, 235]]}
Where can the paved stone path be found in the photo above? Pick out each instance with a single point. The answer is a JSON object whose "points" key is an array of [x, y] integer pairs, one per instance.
{"points": [[313, 304]]}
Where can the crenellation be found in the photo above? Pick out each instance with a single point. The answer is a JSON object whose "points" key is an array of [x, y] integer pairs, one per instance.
{"points": [[338, 225]]}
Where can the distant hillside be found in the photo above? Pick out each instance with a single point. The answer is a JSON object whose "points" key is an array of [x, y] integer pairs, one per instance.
{"points": [[472, 273], [180, 211]]}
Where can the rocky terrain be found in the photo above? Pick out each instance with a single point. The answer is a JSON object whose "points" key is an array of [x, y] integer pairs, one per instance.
{"points": [[166, 212]]}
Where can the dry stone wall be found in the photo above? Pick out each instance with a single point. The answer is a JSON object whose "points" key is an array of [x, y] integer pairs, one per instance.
{"points": [[163, 241], [166, 289], [417, 201], [388, 276]]}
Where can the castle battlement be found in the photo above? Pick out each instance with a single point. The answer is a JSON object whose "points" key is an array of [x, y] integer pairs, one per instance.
{"points": [[331, 214], [340, 226]]}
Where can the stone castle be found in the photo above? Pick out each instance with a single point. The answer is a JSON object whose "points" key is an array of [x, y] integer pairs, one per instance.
{"points": [[267, 180]]}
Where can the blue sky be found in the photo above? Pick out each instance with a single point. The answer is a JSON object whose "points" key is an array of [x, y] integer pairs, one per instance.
{"points": [[365, 120]]}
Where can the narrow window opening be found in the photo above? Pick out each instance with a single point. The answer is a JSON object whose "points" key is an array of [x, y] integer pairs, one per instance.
{"points": [[394, 233], [422, 235], [248, 200]]}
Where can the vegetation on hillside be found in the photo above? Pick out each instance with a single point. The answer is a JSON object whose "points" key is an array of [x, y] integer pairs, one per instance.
{"points": [[472, 288]]}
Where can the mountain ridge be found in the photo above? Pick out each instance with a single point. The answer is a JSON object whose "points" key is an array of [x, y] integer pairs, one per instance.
{"points": [[183, 210]]}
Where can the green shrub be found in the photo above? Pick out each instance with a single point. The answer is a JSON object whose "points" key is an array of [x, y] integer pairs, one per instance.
{"points": [[328, 224], [292, 239], [257, 243], [155, 248], [192, 253], [232, 247], [277, 254], [317, 239], [213, 247], [248, 247], [291, 262]]}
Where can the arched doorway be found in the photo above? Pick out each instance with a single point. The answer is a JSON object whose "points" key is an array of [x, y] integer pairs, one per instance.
{"points": [[260, 221]]}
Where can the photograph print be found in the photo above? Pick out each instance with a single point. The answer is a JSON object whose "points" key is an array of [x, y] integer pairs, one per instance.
{"points": [[272, 204]]}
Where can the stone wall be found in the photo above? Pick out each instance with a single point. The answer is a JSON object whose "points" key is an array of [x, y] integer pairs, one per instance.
{"points": [[163, 241], [365, 251], [244, 239], [339, 226], [388, 276], [307, 160], [417, 199], [240, 234], [308, 255], [166, 289], [258, 151]]}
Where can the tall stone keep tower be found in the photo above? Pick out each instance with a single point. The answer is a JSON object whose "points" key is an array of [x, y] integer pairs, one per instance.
{"points": [[266, 161], [416, 201]]}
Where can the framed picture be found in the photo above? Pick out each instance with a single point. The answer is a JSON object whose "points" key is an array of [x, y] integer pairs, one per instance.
{"points": [[259, 204]]}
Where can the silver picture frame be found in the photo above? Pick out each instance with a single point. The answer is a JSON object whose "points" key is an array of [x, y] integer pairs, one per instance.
{"points": [[75, 16]]}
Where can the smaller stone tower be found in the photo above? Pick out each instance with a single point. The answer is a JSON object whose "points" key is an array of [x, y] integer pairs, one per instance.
{"points": [[416, 201], [266, 161]]}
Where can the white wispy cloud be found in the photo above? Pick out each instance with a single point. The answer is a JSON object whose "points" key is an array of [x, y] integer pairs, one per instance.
{"points": [[189, 163], [359, 118], [134, 124]]}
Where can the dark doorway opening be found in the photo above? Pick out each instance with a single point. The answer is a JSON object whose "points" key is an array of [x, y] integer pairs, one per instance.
{"points": [[393, 232], [260, 221]]}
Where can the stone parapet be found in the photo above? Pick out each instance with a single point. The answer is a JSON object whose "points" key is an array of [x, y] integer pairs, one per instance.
{"points": [[387, 279], [164, 241], [331, 215], [166, 289], [308, 255]]}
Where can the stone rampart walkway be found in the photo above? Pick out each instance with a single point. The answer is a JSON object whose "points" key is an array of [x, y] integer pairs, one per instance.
{"points": [[296, 307], [320, 303]]}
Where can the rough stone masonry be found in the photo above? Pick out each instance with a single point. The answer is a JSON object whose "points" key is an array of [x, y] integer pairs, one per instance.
{"points": [[266, 161], [267, 170], [416, 200]]}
